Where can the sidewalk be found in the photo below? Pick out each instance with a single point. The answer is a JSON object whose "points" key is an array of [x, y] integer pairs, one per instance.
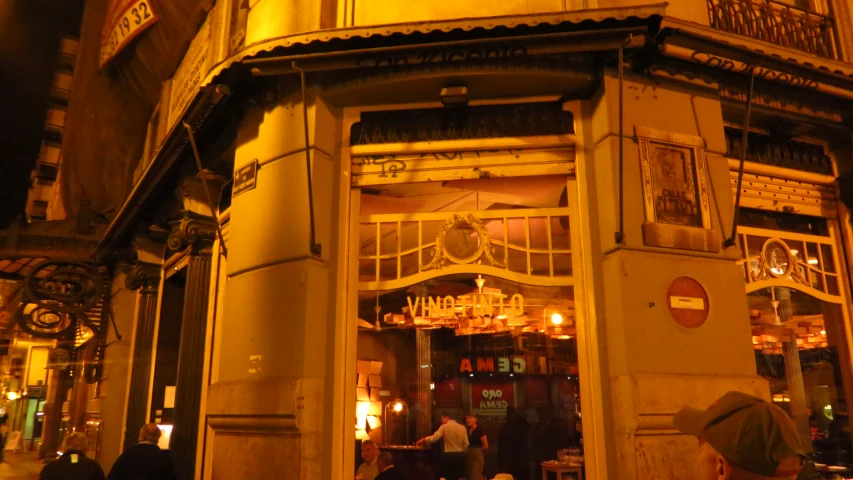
{"points": [[20, 466]]}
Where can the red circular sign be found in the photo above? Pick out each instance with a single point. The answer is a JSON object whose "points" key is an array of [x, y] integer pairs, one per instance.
{"points": [[687, 302]]}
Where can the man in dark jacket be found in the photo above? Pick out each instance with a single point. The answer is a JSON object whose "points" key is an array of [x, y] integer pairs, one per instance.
{"points": [[513, 455], [73, 464], [387, 470], [145, 461]]}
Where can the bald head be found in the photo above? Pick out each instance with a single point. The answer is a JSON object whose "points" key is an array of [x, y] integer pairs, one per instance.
{"points": [[76, 442], [149, 432]]}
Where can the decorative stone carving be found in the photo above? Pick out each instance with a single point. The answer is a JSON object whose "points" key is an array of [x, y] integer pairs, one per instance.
{"points": [[194, 229], [675, 191], [143, 275], [462, 240]]}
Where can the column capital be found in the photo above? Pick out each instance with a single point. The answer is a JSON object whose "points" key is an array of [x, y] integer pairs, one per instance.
{"points": [[143, 275], [196, 230]]}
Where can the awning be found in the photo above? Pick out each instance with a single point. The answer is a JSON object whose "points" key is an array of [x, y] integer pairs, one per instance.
{"points": [[348, 41], [604, 26], [750, 51], [24, 246]]}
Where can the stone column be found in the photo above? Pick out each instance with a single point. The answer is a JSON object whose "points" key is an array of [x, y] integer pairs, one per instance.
{"points": [[144, 277], [52, 413], [80, 394], [796, 389], [271, 397], [196, 230], [651, 365]]}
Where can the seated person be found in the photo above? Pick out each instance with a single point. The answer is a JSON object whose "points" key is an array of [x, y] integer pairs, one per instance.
{"points": [[369, 469], [387, 470]]}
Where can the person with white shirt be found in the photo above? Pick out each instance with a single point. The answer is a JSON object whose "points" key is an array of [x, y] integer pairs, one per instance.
{"points": [[369, 469], [452, 461]]}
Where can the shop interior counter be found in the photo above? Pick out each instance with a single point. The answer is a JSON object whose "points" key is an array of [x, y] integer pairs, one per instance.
{"points": [[417, 462]]}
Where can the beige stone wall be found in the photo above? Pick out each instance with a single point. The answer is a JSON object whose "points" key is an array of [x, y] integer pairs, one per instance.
{"points": [[117, 361], [266, 411], [654, 365], [270, 19], [691, 10]]}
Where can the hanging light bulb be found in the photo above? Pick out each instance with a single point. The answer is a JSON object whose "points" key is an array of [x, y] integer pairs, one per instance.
{"points": [[556, 318]]}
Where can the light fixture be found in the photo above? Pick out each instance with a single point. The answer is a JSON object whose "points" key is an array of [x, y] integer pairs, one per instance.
{"points": [[556, 318], [12, 396], [432, 386], [397, 406], [823, 332], [454, 96]]}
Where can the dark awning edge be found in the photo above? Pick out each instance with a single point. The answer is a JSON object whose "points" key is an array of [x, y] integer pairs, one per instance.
{"points": [[755, 52], [215, 86]]}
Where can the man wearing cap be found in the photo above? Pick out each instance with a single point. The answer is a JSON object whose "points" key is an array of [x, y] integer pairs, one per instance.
{"points": [[742, 437]]}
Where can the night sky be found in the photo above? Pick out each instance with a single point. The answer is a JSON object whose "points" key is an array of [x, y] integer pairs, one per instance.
{"points": [[29, 39]]}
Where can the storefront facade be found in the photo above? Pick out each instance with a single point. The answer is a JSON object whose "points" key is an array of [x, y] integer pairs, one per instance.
{"points": [[528, 211]]}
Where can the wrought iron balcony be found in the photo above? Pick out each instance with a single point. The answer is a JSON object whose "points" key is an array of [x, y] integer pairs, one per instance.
{"points": [[777, 23]]}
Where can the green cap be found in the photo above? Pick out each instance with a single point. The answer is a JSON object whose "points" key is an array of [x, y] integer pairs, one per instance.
{"points": [[750, 433]]}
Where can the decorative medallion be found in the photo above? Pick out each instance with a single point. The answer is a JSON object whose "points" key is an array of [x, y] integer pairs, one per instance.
{"points": [[462, 240], [68, 287], [47, 323], [777, 261], [58, 358]]}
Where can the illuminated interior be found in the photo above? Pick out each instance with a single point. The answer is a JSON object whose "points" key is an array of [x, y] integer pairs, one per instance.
{"points": [[466, 305]]}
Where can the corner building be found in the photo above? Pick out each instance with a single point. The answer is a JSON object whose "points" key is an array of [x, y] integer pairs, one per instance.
{"points": [[442, 208]]}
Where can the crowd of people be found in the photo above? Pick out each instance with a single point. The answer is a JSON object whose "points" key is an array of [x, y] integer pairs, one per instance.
{"points": [[145, 461], [740, 437]]}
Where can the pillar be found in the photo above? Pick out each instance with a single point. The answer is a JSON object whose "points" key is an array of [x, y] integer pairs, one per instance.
{"points": [[268, 408], [196, 230], [796, 389], [80, 390], [638, 364], [145, 278], [114, 395], [423, 415], [52, 413]]}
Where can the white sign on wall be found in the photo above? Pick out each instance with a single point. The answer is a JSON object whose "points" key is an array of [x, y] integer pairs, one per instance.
{"points": [[190, 73]]}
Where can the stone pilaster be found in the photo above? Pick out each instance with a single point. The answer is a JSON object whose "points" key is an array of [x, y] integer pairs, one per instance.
{"points": [[144, 277]]}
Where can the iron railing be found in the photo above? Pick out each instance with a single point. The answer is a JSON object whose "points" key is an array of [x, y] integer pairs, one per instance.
{"points": [[777, 23]]}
